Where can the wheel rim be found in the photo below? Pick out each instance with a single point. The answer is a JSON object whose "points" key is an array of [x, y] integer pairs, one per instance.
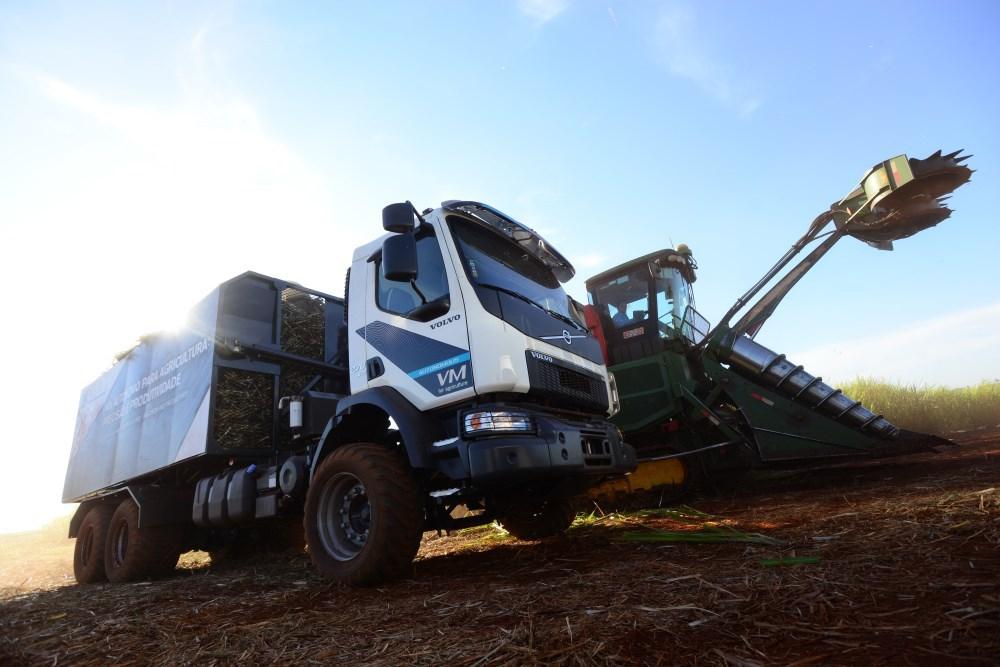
{"points": [[345, 516], [119, 545]]}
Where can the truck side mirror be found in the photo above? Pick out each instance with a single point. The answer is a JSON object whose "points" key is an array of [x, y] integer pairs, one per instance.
{"points": [[399, 257], [398, 218]]}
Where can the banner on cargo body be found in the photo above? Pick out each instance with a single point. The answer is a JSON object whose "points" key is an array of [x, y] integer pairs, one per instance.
{"points": [[148, 411]]}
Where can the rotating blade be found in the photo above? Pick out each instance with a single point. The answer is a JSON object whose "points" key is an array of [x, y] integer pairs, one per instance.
{"points": [[907, 203]]}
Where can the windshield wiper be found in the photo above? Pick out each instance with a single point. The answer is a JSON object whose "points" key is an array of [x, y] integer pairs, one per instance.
{"points": [[520, 296], [564, 318]]}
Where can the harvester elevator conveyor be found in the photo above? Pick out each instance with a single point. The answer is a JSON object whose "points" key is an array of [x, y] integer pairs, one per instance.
{"points": [[753, 360]]}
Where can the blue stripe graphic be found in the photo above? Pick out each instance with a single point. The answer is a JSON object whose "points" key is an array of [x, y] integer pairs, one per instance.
{"points": [[427, 370]]}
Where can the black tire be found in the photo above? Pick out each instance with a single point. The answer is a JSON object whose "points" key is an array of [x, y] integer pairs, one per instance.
{"points": [[88, 552], [131, 553], [363, 516], [535, 519]]}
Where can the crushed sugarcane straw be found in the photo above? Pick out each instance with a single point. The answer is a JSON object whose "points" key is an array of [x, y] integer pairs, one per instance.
{"points": [[913, 578], [708, 534]]}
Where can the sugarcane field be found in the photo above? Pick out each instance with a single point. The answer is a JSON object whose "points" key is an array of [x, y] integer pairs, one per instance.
{"points": [[811, 567], [538, 332]]}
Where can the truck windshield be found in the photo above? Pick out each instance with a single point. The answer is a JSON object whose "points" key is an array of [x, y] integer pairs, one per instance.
{"points": [[493, 262]]}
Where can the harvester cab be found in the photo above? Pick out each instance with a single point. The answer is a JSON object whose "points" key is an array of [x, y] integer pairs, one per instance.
{"points": [[713, 400], [644, 305]]}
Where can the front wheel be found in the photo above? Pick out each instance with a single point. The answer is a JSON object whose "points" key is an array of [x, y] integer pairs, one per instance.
{"points": [[535, 518], [363, 515]]}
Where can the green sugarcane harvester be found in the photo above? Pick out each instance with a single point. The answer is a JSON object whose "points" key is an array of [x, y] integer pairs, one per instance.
{"points": [[711, 402]]}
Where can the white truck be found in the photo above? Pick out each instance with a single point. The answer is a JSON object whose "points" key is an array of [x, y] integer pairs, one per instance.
{"points": [[456, 384]]}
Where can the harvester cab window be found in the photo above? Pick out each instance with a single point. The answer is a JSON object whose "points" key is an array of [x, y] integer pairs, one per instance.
{"points": [[625, 298], [673, 296], [430, 286]]}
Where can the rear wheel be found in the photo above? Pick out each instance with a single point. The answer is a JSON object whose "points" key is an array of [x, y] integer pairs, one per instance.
{"points": [[88, 552], [132, 553], [363, 515], [537, 518]]}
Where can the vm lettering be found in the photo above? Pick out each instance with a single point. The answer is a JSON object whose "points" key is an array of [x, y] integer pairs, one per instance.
{"points": [[452, 375]]}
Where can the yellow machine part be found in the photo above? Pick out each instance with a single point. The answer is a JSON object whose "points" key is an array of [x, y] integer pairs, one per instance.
{"points": [[648, 475]]}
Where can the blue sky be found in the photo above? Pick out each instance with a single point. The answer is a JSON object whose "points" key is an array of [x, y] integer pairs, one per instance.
{"points": [[149, 151]]}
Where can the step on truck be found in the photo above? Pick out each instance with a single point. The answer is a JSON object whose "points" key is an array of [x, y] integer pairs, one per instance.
{"points": [[454, 385]]}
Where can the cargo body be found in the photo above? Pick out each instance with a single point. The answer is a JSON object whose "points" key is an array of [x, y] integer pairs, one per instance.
{"points": [[178, 400]]}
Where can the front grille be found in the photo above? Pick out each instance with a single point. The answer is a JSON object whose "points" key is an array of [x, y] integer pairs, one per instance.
{"points": [[556, 380]]}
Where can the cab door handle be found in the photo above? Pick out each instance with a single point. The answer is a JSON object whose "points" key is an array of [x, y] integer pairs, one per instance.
{"points": [[375, 367]]}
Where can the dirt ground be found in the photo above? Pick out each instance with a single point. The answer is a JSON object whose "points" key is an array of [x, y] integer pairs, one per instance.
{"points": [[898, 562]]}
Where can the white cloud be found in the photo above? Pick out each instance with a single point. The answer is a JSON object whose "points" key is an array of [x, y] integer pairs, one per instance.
{"points": [[613, 17], [151, 205], [685, 52], [542, 11], [956, 349], [205, 167]]}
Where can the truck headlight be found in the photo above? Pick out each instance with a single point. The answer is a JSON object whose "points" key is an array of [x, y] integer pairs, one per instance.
{"points": [[616, 405], [497, 421]]}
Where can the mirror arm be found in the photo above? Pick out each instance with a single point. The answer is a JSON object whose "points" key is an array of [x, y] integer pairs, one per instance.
{"points": [[417, 214]]}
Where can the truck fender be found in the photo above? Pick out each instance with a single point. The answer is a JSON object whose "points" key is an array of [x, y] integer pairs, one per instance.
{"points": [[162, 505], [416, 428], [158, 505], [84, 507]]}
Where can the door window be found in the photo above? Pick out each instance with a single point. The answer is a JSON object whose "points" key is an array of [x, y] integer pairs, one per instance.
{"points": [[673, 296], [427, 295]]}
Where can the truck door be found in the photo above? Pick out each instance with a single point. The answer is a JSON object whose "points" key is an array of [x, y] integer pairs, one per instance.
{"points": [[416, 337]]}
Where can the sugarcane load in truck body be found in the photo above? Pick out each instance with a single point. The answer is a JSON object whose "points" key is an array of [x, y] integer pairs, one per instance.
{"points": [[455, 384]]}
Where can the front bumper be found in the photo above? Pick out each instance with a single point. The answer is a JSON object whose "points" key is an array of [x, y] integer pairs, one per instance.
{"points": [[559, 448]]}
